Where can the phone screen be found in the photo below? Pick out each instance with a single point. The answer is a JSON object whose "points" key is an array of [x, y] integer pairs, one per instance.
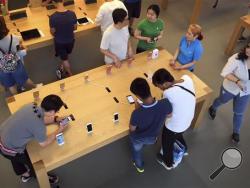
{"points": [[116, 116], [60, 139], [65, 121], [130, 99], [89, 127]]}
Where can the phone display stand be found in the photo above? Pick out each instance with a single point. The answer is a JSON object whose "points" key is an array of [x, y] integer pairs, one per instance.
{"points": [[62, 87], [90, 133], [36, 96], [86, 78], [115, 121]]}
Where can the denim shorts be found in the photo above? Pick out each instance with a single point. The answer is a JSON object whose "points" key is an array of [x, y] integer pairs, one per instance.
{"points": [[19, 77]]}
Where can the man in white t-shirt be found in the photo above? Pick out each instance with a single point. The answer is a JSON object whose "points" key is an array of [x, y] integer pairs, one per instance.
{"points": [[181, 95], [115, 44], [104, 15]]}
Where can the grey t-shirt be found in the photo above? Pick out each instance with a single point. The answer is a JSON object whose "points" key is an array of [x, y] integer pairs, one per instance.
{"points": [[22, 127], [5, 43]]}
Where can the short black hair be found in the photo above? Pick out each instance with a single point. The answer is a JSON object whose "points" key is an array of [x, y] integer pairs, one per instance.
{"points": [[119, 15], [3, 28], [155, 8], [52, 102], [161, 76], [140, 88]]}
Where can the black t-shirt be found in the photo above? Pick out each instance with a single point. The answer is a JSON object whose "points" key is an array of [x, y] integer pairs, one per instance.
{"points": [[63, 23]]}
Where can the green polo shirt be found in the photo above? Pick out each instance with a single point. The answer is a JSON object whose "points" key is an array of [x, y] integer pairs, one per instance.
{"points": [[149, 29]]}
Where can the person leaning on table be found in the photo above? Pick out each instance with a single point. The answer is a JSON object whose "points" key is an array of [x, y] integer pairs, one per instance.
{"points": [[181, 94], [146, 120], [149, 30], [115, 44], [236, 87], [26, 124], [190, 49]]}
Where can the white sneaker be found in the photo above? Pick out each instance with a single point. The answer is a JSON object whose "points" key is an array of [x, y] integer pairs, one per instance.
{"points": [[161, 161], [58, 74]]}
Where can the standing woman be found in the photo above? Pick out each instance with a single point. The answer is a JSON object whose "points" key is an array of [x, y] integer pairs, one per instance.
{"points": [[190, 49], [149, 30], [236, 87], [12, 71]]}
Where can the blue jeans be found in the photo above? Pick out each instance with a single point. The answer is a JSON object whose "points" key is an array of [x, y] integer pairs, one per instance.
{"points": [[239, 106], [136, 147], [18, 77]]}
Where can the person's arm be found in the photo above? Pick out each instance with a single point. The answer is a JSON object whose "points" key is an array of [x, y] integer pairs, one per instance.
{"points": [[99, 16], [162, 27], [111, 55], [75, 27], [173, 61], [44, 3], [186, 66], [130, 54], [132, 128], [228, 71], [138, 36], [52, 26], [52, 136], [236, 80], [160, 35], [75, 21], [52, 31]]}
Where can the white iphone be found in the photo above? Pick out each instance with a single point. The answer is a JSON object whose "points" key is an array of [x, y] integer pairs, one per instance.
{"points": [[60, 139]]}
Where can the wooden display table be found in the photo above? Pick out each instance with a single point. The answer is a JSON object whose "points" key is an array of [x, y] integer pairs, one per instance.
{"points": [[243, 23], [196, 10], [91, 102], [38, 17]]}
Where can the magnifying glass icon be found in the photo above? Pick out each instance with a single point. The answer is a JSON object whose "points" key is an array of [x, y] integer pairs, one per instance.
{"points": [[231, 158]]}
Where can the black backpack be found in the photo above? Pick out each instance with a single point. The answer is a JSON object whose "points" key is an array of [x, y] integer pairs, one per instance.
{"points": [[9, 60]]}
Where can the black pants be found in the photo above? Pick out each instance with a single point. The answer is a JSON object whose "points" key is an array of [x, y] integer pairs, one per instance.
{"points": [[19, 163], [168, 139]]}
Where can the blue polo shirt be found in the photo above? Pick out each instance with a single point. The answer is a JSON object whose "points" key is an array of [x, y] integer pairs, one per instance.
{"points": [[189, 52], [149, 119]]}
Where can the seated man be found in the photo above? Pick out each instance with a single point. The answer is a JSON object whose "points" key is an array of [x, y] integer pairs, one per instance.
{"points": [[104, 15], [115, 44], [146, 120], [29, 123]]}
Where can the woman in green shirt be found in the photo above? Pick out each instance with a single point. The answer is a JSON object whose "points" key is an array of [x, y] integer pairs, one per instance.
{"points": [[149, 30]]}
